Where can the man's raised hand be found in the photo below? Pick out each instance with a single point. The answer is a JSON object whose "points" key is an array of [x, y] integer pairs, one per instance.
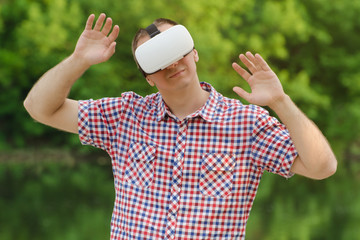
{"points": [[97, 44], [265, 86]]}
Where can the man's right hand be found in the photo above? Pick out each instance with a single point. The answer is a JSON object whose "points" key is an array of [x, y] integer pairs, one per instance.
{"points": [[47, 101], [96, 44]]}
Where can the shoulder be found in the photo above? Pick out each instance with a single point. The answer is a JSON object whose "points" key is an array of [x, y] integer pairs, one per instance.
{"points": [[235, 107], [126, 99], [224, 108]]}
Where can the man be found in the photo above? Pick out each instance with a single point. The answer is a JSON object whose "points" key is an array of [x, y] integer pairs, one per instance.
{"points": [[186, 161]]}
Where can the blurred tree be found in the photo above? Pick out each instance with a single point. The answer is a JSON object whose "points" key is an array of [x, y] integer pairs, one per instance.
{"points": [[55, 200], [35, 36], [303, 45]]}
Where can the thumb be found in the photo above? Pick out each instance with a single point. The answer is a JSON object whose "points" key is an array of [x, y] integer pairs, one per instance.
{"points": [[110, 51], [242, 93]]}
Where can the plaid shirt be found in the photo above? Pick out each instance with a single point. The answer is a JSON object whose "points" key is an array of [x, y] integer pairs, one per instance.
{"points": [[190, 179]]}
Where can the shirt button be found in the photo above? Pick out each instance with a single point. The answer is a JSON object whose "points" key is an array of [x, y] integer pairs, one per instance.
{"points": [[182, 127]]}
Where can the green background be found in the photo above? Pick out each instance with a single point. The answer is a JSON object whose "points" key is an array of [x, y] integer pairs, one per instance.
{"points": [[53, 188]]}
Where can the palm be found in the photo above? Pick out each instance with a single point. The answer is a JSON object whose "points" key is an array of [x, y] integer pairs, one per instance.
{"points": [[265, 85], [94, 46]]}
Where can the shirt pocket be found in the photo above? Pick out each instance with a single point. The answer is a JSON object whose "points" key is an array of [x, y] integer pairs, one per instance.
{"points": [[216, 178], [139, 167]]}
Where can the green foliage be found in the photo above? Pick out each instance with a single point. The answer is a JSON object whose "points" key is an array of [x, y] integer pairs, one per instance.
{"points": [[302, 209], [315, 55], [55, 201]]}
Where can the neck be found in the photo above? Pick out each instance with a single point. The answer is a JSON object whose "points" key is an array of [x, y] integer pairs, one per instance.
{"points": [[185, 101]]}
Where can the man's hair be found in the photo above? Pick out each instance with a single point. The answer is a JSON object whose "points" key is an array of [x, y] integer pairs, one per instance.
{"points": [[142, 33]]}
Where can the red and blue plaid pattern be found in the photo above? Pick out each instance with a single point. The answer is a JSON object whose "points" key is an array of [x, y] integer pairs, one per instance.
{"points": [[216, 175], [140, 169], [190, 179]]}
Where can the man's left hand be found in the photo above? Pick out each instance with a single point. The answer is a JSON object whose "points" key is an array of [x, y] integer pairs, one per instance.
{"points": [[266, 88]]}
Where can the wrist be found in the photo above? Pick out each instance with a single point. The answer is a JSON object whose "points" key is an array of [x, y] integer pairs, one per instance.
{"points": [[281, 104], [79, 62]]}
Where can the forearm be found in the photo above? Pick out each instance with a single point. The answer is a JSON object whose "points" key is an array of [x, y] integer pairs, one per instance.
{"points": [[315, 154], [52, 89]]}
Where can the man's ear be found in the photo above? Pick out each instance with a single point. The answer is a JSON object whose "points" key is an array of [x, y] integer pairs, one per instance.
{"points": [[196, 55], [151, 83]]}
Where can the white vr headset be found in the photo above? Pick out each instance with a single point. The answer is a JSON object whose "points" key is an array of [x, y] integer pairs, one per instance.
{"points": [[164, 48]]}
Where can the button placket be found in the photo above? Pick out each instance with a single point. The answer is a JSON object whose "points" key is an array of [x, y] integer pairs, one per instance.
{"points": [[176, 181]]}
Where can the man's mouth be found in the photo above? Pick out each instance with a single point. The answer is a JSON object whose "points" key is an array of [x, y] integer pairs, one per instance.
{"points": [[176, 74]]}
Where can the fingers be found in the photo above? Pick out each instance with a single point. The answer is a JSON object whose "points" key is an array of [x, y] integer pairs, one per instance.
{"points": [[241, 71], [104, 28], [89, 22], [262, 62], [249, 62], [114, 34], [107, 27], [99, 22], [254, 63]]}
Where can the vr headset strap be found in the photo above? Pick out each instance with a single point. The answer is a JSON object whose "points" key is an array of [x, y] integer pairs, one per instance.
{"points": [[152, 30]]}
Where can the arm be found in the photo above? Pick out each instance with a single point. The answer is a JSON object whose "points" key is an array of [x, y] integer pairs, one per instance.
{"points": [[316, 159], [47, 101]]}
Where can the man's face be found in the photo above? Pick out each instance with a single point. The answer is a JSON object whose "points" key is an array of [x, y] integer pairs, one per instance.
{"points": [[177, 75]]}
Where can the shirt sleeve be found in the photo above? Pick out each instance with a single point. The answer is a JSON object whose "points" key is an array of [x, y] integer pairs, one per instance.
{"points": [[272, 147], [97, 121]]}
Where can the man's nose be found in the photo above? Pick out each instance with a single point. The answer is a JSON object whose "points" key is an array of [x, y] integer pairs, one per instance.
{"points": [[173, 65]]}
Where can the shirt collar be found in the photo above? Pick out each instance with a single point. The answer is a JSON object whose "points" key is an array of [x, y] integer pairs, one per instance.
{"points": [[207, 111], [162, 109]]}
